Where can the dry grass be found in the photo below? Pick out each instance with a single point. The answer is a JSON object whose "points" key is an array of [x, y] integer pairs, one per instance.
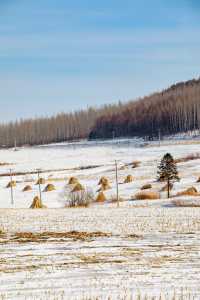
{"points": [[192, 191], [186, 203], [113, 199], [135, 164], [11, 184], [147, 195], [78, 187], [27, 188], [104, 187], [73, 180], [41, 181], [188, 158], [49, 188], [25, 237], [146, 186], [37, 203], [128, 179], [101, 197], [3, 164], [103, 181]]}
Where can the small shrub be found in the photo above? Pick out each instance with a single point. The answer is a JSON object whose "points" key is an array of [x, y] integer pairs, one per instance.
{"points": [[146, 186], [147, 196], [81, 198]]}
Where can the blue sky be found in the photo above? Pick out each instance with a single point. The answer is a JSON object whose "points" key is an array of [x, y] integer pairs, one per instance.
{"points": [[60, 55]]}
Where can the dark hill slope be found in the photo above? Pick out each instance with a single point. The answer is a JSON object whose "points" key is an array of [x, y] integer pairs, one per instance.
{"points": [[174, 110]]}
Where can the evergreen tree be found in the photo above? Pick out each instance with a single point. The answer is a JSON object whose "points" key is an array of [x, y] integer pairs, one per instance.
{"points": [[167, 171]]}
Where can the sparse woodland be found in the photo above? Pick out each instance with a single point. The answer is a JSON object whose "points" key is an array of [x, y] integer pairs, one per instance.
{"points": [[171, 111]]}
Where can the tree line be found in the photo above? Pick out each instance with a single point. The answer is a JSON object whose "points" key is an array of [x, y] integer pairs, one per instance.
{"points": [[171, 111], [59, 128], [174, 110]]}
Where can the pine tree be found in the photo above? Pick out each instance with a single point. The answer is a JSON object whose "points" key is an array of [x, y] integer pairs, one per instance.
{"points": [[167, 171]]}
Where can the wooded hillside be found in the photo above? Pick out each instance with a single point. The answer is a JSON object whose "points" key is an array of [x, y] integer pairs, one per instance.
{"points": [[62, 127], [171, 111]]}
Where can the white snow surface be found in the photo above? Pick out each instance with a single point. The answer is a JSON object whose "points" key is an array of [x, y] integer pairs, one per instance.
{"points": [[152, 249]]}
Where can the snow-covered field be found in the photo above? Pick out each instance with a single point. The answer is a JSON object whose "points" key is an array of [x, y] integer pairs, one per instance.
{"points": [[142, 248]]}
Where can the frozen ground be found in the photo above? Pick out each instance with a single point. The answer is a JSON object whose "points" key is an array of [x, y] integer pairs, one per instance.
{"points": [[145, 247]]}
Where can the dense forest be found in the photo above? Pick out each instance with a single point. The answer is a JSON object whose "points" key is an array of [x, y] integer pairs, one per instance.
{"points": [[171, 111], [174, 110]]}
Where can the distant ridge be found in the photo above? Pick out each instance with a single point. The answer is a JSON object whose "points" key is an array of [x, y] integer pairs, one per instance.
{"points": [[171, 111]]}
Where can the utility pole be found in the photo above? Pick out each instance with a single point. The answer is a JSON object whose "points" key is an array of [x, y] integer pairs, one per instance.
{"points": [[11, 187], [117, 184], [15, 145], [159, 137], [39, 185]]}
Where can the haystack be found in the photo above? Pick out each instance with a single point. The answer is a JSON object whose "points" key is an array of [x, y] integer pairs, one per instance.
{"points": [[11, 184], [103, 180], [192, 191], [78, 187], [73, 180], [49, 188], [165, 187], [147, 196], [101, 197], [104, 187], [146, 186], [135, 164], [128, 179], [37, 203], [198, 180], [27, 188], [41, 181]]}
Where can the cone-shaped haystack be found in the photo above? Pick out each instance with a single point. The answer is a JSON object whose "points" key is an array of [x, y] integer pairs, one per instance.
{"points": [[11, 184], [103, 180], [104, 187], [78, 187], [73, 180], [101, 197], [37, 203], [41, 181], [128, 179], [49, 188], [27, 188]]}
